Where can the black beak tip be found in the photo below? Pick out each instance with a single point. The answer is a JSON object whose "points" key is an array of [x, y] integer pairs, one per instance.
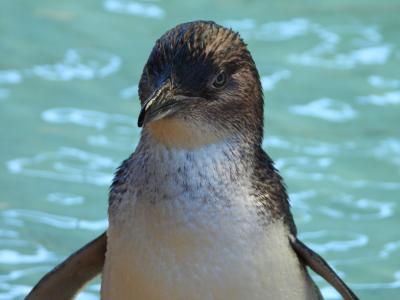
{"points": [[141, 118]]}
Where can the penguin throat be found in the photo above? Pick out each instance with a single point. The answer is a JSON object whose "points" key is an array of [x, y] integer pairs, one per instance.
{"points": [[176, 133]]}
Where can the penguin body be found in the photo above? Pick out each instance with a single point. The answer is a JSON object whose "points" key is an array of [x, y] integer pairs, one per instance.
{"points": [[191, 229]]}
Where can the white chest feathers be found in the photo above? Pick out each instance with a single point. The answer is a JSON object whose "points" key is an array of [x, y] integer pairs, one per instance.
{"points": [[189, 228]]}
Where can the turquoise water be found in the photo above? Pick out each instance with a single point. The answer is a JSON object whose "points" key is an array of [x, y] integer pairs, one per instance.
{"points": [[68, 107]]}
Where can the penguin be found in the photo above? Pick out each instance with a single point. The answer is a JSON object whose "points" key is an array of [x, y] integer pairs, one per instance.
{"points": [[198, 211]]}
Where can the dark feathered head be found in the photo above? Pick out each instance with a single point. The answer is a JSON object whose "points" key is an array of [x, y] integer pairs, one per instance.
{"points": [[200, 85]]}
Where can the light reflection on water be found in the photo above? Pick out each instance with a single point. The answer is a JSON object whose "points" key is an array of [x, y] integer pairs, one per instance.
{"points": [[332, 107], [66, 164], [84, 64], [62, 222], [149, 10]]}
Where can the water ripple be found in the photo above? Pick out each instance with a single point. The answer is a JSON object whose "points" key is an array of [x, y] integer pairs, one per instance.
{"points": [[272, 31], [55, 221], [309, 147], [87, 296], [389, 98], [6, 233], [378, 55], [346, 206], [388, 150], [79, 64], [325, 53], [84, 64], [269, 82], [339, 241], [16, 274], [395, 284], [67, 164], [12, 256], [134, 8], [121, 125], [65, 199], [13, 291], [329, 293], [87, 118], [389, 248], [129, 92], [10, 77], [303, 162], [366, 46], [302, 209], [381, 82], [326, 109], [114, 142], [357, 184]]}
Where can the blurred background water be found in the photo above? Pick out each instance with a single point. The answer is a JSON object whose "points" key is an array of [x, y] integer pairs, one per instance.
{"points": [[68, 106]]}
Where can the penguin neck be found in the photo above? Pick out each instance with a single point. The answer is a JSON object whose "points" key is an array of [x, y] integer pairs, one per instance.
{"points": [[230, 154]]}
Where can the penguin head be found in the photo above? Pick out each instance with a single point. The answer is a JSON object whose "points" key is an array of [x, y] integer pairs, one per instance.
{"points": [[200, 85]]}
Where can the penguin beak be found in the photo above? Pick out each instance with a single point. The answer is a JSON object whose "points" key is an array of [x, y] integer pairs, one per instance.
{"points": [[159, 105]]}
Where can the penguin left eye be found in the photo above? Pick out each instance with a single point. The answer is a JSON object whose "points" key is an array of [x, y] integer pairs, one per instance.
{"points": [[220, 80]]}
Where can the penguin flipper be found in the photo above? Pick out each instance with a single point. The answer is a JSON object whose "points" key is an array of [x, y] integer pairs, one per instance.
{"points": [[66, 279], [321, 267]]}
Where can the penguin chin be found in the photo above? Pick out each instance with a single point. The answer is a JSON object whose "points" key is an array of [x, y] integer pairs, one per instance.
{"points": [[183, 134]]}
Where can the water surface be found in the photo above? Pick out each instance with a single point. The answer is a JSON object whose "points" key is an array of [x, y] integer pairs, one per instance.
{"points": [[68, 106]]}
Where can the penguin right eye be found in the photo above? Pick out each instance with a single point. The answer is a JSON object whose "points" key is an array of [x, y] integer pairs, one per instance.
{"points": [[220, 80]]}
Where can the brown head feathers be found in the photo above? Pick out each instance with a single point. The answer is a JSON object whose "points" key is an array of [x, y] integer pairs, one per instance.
{"points": [[211, 68]]}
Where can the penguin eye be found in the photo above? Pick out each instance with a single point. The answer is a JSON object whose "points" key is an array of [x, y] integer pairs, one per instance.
{"points": [[219, 80]]}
